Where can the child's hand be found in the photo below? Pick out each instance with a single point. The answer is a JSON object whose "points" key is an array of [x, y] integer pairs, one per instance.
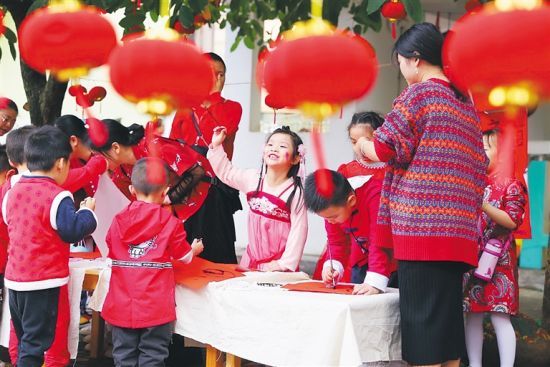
{"points": [[360, 143], [271, 266], [88, 203], [219, 136], [330, 276], [197, 246], [365, 289]]}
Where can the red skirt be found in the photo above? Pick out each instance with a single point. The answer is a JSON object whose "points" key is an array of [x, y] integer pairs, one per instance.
{"points": [[500, 294]]}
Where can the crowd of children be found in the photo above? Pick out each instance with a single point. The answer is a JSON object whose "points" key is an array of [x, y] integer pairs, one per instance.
{"points": [[390, 212]]}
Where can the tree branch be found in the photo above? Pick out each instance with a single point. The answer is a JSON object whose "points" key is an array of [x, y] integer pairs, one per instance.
{"points": [[51, 100]]}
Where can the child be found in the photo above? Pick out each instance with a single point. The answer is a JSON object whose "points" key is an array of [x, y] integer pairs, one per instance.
{"points": [[6, 170], [503, 208], [41, 221], [85, 167], [143, 239], [358, 173], [350, 213], [277, 221]]}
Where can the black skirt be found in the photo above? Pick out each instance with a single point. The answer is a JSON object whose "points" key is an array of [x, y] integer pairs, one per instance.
{"points": [[430, 302], [214, 223]]}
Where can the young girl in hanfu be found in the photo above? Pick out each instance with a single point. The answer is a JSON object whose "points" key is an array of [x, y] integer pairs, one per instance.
{"points": [[495, 290], [277, 221]]}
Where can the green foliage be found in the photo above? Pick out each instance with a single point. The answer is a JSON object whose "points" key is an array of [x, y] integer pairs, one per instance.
{"points": [[244, 16]]}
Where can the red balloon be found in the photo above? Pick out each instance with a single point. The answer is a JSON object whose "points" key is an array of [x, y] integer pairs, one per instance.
{"points": [[488, 49], [333, 69], [97, 94], [57, 41], [145, 68], [76, 90]]}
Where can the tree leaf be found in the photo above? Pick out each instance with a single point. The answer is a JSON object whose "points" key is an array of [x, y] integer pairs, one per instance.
{"points": [[248, 41], [154, 14], [374, 5], [186, 16], [414, 10], [236, 43], [10, 35], [198, 5], [37, 4], [13, 51]]}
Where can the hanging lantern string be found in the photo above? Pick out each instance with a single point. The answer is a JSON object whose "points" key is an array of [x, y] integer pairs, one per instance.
{"points": [[164, 10], [317, 9]]}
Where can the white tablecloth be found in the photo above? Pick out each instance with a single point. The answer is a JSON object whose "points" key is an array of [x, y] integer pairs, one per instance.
{"points": [[77, 269], [278, 327]]}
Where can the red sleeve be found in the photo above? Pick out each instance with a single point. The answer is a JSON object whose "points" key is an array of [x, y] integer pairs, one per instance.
{"points": [[339, 242], [380, 257], [175, 130], [80, 177], [383, 151], [178, 247]]}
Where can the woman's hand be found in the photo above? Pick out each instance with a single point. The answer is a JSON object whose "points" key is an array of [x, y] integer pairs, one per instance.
{"points": [[220, 133], [197, 246]]}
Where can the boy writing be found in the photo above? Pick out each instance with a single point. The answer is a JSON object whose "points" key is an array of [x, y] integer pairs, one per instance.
{"points": [[42, 221], [350, 217], [143, 239]]}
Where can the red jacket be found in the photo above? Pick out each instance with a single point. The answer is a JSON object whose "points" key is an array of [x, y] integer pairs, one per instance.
{"points": [[361, 234], [85, 175], [221, 112], [142, 240]]}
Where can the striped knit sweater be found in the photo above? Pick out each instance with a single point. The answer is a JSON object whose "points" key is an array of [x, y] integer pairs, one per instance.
{"points": [[432, 193]]}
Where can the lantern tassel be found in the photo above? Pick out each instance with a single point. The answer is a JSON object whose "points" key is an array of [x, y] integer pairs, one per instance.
{"points": [[322, 177], [393, 30]]}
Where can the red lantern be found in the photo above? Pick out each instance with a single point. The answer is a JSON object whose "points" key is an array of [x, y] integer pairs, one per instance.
{"points": [[393, 10], [333, 69], [161, 75], [273, 103], [68, 43], [498, 56]]}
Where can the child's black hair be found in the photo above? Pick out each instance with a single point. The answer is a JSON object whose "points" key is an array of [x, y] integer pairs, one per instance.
{"points": [[118, 133], [216, 58], [72, 125], [294, 170], [141, 175], [368, 117], [15, 143], [4, 161], [44, 147], [317, 202]]}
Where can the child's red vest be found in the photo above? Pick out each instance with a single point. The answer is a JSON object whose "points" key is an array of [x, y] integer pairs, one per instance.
{"points": [[37, 256]]}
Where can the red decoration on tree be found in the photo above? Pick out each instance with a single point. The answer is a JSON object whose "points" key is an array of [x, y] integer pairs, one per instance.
{"points": [[2, 27], [393, 10], [68, 43], [161, 75], [84, 99], [331, 69], [498, 57], [97, 94], [270, 101]]}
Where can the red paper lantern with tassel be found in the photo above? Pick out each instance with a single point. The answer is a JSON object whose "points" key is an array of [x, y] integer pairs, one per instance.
{"points": [[160, 75], [498, 57], [393, 10], [66, 42], [332, 69]]}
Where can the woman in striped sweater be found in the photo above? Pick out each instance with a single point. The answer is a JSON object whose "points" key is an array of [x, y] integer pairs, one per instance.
{"points": [[431, 197]]}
